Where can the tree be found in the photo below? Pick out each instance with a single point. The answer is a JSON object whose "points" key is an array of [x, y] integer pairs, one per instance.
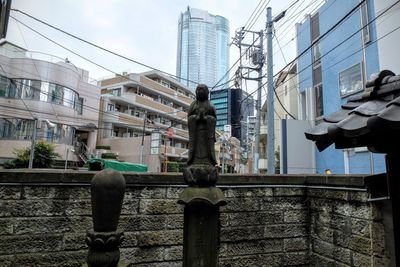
{"points": [[44, 156]]}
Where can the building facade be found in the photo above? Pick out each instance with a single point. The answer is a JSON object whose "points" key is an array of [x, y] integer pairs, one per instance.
{"points": [[51, 93], [144, 118], [335, 68], [233, 106], [388, 33], [286, 108], [203, 48]]}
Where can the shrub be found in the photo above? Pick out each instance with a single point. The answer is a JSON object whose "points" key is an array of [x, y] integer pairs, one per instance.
{"points": [[108, 155], [44, 156]]}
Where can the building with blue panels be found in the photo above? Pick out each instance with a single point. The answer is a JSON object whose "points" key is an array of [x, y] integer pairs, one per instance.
{"points": [[335, 68], [233, 106], [203, 48]]}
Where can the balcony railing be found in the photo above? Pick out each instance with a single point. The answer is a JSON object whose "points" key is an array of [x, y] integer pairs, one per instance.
{"points": [[161, 88], [128, 119]]}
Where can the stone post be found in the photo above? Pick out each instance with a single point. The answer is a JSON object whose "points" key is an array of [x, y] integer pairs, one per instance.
{"points": [[201, 199], [107, 194]]}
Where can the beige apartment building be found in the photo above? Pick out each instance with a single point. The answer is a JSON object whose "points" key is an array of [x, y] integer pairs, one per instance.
{"points": [[51, 93], [286, 87], [143, 118]]}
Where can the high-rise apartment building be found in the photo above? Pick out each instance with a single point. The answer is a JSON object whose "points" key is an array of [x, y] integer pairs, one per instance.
{"points": [[203, 48]]}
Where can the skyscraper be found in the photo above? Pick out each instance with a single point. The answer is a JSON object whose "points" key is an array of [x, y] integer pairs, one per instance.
{"points": [[203, 48]]}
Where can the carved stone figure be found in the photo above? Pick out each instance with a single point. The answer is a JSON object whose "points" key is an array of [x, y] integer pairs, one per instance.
{"points": [[201, 198], [201, 162]]}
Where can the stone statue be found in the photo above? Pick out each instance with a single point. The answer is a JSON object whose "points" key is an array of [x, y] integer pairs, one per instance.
{"points": [[201, 123], [201, 198], [201, 162]]}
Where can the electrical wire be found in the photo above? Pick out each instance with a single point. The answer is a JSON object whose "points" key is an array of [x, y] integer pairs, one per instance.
{"points": [[324, 35], [100, 47], [246, 24], [348, 38]]}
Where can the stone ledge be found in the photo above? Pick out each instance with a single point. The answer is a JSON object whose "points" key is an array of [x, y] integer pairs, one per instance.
{"points": [[71, 177]]}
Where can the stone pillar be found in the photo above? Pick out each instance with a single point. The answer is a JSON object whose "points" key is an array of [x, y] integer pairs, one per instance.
{"points": [[201, 225], [107, 194], [201, 199]]}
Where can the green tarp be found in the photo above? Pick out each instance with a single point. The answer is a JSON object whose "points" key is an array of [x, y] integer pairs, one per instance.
{"points": [[100, 164]]}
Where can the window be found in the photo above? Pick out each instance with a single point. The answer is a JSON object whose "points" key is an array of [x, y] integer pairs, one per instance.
{"points": [[316, 53], [222, 117], [319, 101], [110, 107], [221, 111], [366, 34], [116, 91], [79, 106], [56, 94], [219, 100], [4, 83], [16, 128], [222, 105], [350, 80]]}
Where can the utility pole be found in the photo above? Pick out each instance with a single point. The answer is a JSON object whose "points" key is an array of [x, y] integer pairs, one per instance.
{"points": [[256, 56], [270, 92], [258, 108], [270, 99], [31, 156]]}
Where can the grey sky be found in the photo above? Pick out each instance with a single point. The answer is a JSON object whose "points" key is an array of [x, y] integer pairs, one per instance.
{"points": [[142, 30]]}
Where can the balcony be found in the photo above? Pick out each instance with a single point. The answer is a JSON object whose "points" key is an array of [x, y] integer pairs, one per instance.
{"points": [[160, 88], [174, 151], [149, 104], [122, 118], [137, 122]]}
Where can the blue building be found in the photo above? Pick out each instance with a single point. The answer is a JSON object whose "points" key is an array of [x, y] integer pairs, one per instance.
{"points": [[203, 48], [233, 106], [334, 69]]}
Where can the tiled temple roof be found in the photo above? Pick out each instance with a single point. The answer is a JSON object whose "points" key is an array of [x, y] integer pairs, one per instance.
{"points": [[371, 119]]}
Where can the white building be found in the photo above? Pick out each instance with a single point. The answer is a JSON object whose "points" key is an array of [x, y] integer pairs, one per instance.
{"points": [[387, 34], [35, 86]]}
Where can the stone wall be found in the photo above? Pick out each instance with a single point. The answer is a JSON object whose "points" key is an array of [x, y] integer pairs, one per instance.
{"points": [[269, 221]]}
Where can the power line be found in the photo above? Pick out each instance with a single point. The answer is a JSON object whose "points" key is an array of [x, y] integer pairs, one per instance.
{"points": [[286, 30], [49, 39], [347, 39], [325, 34], [99, 47], [255, 19], [343, 59], [84, 107], [245, 25]]}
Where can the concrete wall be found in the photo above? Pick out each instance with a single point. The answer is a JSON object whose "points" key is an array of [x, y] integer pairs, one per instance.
{"points": [[274, 221]]}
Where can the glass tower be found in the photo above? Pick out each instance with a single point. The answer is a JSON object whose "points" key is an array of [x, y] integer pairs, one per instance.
{"points": [[203, 48]]}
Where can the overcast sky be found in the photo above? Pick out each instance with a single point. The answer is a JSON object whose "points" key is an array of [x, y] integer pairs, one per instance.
{"points": [[144, 30]]}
